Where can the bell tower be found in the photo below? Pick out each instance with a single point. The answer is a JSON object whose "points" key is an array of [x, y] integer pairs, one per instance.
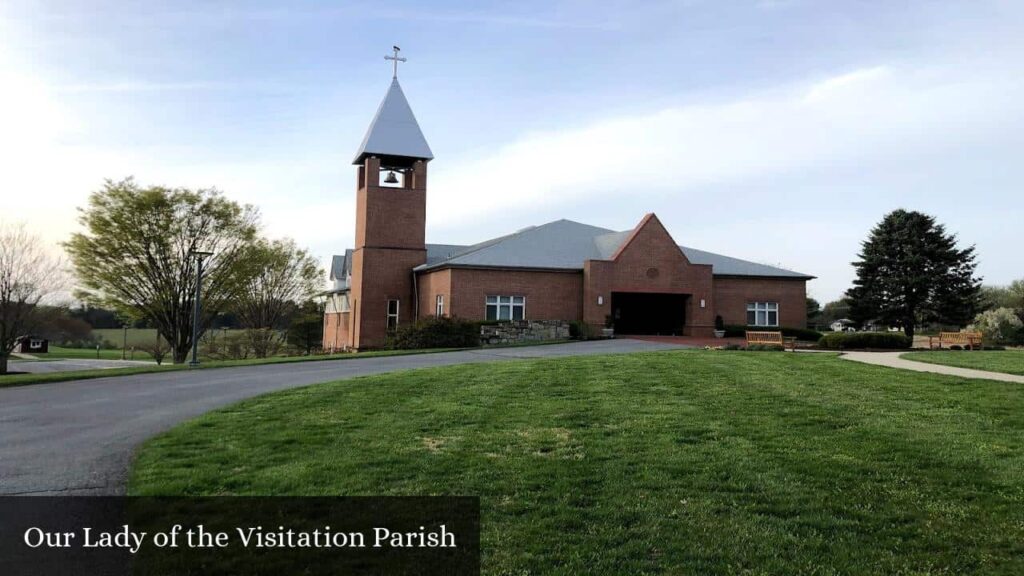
{"points": [[391, 212]]}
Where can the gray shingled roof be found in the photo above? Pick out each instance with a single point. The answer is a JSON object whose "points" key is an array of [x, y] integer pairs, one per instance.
{"points": [[565, 245], [341, 266], [394, 130]]}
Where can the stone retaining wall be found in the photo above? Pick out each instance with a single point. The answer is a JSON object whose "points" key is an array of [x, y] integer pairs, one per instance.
{"points": [[517, 331]]}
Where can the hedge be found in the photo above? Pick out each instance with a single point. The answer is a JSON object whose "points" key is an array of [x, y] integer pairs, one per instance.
{"points": [[854, 340], [436, 333], [806, 334]]}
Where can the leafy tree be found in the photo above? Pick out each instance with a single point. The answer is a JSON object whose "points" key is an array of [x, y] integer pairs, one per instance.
{"points": [[999, 326], [306, 333], [307, 329], [1017, 289], [28, 274], [813, 310], [911, 272], [96, 317], [279, 276], [1011, 296], [836, 310], [137, 254], [58, 326]]}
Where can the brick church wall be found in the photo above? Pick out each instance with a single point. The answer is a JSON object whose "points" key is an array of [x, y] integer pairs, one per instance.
{"points": [[336, 328], [733, 293], [431, 284], [650, 261], [549, 295]]}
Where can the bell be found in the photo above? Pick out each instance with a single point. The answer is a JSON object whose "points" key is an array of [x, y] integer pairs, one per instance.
{"points": [[391, 178]]}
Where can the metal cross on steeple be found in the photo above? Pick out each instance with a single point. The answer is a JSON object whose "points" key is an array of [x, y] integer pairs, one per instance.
{"points": [[396, 59]]}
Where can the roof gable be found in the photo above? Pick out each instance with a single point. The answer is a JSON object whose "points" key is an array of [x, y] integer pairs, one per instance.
{"points": [[394, 130], [648, 234]]}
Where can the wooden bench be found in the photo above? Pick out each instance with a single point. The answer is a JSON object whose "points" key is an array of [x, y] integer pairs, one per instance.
{"points": [[969, 340], [770, 339]]}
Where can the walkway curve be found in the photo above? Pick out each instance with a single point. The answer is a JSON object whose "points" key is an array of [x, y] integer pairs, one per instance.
{"points": [[893, 360], [78, 437]]}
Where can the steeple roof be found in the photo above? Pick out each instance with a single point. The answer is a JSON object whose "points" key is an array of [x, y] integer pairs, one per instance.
{"points": [[394, 132]]}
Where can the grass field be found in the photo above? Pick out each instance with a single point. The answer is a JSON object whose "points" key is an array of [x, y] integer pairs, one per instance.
{"points": [[141, 336], [693, 462], [1008, 361], [56, 352]]}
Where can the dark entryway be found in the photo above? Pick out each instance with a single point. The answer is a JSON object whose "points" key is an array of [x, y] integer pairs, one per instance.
{"points": [[645, 313]]}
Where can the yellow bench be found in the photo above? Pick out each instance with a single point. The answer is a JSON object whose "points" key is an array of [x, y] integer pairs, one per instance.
{"points": [[969, 340], [770, 339]]}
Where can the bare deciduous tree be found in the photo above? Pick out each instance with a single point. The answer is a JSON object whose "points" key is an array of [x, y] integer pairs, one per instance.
{"points": [[28, 274]]}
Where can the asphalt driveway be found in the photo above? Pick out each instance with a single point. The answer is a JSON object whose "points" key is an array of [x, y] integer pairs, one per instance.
{"points": [[78, 437], [72, 364]]}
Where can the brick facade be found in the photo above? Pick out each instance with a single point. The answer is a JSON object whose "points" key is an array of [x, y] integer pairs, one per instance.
{"points": [[549, 295], [336, 331], [733, 293], [390, 230], [650, 261]]}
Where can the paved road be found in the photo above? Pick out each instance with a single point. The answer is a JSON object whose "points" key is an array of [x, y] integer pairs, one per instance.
{"points": [[71, 364], [78, 437]]}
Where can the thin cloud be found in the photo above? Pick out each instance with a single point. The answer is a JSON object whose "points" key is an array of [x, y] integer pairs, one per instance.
{"points": [[140, 86], [217, 14]]}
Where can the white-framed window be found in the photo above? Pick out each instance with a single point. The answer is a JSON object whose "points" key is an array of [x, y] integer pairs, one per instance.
{"points": [[439, 306], [392, 315], [762, 313], [506, 307]]}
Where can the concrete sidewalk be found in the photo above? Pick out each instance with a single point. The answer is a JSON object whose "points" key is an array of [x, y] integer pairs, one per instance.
{"points": [[893, 360]]}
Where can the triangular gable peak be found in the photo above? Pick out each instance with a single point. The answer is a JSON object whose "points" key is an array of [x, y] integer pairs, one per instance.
{"points": [[649, 238]]}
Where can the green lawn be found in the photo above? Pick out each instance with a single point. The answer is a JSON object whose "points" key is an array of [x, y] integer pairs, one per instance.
{"points": [[1008, 361], [56, 352], [142, 336], [691, 462]]}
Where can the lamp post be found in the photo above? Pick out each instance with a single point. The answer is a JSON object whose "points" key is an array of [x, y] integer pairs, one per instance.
{"points": [[198, 255]]}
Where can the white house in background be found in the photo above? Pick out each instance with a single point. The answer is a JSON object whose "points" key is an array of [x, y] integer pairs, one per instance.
{"points": [[841, 325]]}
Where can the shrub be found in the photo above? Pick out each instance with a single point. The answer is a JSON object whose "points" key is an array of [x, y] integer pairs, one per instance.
{"points": [[436, 333], [806, 334], [233, 346], [157, 349], [765, 348], [998, 326], [719, 323], [850, 340], [581, 331]]}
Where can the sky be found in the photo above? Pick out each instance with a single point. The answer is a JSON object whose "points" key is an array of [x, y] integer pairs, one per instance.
{"points": [[777, 131]]}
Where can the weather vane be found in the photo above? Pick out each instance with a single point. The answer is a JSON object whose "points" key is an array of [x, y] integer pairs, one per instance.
{"points": [[396, 58]]}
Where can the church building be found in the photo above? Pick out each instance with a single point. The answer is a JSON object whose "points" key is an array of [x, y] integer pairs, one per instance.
{"points": [[639, 280]]}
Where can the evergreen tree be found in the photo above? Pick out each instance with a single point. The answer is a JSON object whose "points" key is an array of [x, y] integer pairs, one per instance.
{"points": [[911, 272]]}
